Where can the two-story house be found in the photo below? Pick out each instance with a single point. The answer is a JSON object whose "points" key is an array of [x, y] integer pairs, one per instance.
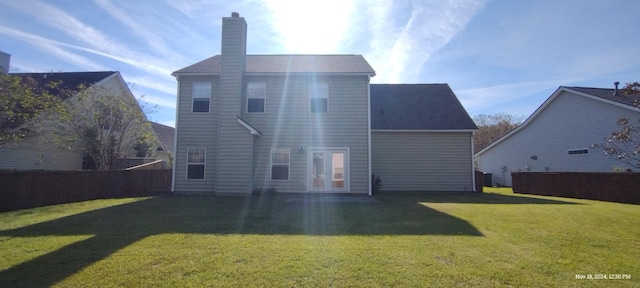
{"points": [[296, 123]]}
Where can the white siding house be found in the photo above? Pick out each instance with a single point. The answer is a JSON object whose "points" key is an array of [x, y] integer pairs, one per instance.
{"points": [[559, 134]]}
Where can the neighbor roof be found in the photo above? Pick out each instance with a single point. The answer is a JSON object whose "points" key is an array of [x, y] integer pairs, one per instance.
{"points": [[288, 64], [601, 93], [68, 80], [166, 135], [608, 95], [417, 107]]}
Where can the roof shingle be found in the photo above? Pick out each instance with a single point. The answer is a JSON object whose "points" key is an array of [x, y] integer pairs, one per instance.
{"points": [[417, 107], [69, 81], [289, 64], [631, 100]]}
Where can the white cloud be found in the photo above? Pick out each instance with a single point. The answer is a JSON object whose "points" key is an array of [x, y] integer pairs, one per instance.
{"points": [[53, 47], [398, 53], [96, 42], [311, 27], [160, 101], [152, 39]]}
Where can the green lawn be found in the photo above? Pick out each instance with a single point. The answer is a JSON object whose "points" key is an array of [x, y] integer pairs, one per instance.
{"points": [[495, 239]]}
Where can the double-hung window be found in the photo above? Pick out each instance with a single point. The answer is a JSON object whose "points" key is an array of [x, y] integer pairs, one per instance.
{"points": [[319, 97], [256, 97], [201, 96], [196, 159], [280, 160]]}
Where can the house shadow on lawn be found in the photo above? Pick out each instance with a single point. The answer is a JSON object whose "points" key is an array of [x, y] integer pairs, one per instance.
{"points": [[473, 198], [117, 227]]}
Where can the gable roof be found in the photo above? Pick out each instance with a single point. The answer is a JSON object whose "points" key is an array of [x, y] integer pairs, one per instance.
{"points": [[69, 81], [417, 107], [599, 94], [262, 64], [165, 134]]}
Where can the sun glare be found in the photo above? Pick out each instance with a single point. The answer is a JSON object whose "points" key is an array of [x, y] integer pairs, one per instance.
{"points": [[311, 27]]}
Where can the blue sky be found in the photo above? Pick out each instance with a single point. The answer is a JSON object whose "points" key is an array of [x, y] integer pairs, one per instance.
{"points": [[498, 56]]}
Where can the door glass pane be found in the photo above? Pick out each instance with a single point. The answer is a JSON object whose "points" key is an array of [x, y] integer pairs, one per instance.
{"points": [[318, 170], [337, 169]]}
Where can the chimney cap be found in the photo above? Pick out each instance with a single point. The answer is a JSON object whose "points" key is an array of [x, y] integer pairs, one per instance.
{"points": [[235, 14]]}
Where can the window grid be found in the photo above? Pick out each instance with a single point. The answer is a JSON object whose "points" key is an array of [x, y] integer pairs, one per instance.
{"points": [[256, 97], [280, 163], [578, 151], [196, 160]]}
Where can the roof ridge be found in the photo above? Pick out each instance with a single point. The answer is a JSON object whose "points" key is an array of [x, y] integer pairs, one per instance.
{"points": [[583, 87], [74, 72], [312, 54]]}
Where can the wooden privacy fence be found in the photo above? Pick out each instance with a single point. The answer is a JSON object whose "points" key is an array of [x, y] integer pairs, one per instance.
{"points": [[611, 187], [28, 189]]}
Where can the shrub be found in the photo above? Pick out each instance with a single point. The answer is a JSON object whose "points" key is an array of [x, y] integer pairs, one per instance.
{"points": [[376, 183]]}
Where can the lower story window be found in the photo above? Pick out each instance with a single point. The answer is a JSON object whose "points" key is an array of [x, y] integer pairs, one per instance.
{"points": [[280, 160], [195, 163]]}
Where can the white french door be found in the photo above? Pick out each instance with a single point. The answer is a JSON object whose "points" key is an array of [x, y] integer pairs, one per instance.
{"points": [[328, 170]]}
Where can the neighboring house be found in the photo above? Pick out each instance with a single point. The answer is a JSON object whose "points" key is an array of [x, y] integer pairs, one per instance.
{"points": [[166, 138], [422, 138], [559, 134], [302, 123], [5, 60], [41, 152]]}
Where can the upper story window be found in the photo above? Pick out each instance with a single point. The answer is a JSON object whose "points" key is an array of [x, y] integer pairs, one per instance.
{"points": [[201, 96], [319, 98], [256, 97]]}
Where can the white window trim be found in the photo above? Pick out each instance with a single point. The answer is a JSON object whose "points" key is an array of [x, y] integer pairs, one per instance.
{"points": [[262, 85], [274, 150], [312, 94], [346, 174], [193, 98], [204, 164]]}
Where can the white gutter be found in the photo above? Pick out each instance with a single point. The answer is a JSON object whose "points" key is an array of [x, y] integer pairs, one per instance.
{"points": [[369, 133], [175, 137]]}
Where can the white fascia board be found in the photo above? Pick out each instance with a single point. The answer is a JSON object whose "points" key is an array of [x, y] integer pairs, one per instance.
{"points": [[425, 131], [252, 130]]}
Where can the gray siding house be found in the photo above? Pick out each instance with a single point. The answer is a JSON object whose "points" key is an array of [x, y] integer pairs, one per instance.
{"points": [[559, 134], [296, 123]]}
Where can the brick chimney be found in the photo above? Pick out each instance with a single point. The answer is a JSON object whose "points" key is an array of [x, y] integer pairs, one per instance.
{"points": [[5, 61]]}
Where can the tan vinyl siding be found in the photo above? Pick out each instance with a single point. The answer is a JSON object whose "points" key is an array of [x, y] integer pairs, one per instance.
{"points": [[195, 130], [422, 161], [287, 123], [39, 153], [234, 161], [46, 151]]}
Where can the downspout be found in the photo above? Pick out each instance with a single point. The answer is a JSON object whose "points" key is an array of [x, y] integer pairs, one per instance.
{"points": [[369, 130], [473, 168], [175, 138]]}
